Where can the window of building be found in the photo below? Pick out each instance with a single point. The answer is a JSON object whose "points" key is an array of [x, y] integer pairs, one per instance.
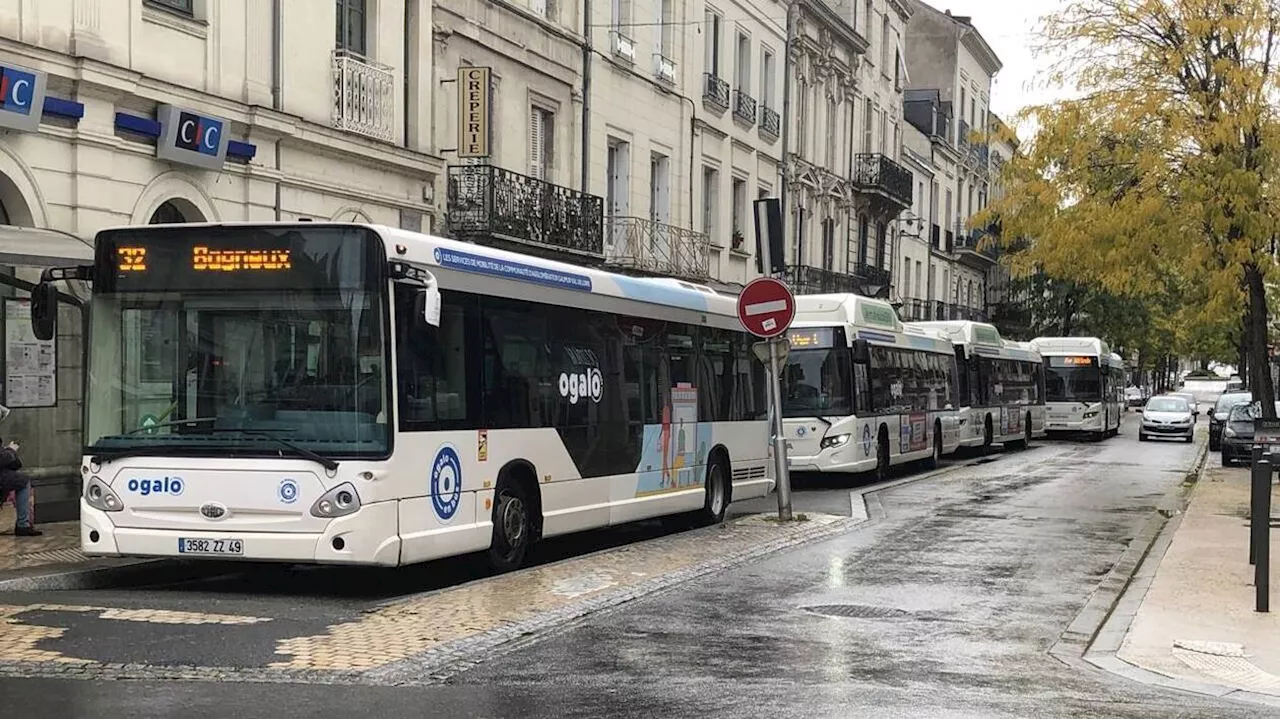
{"points": [[864, 240], [182, 7], [711, 204], [659, 188], [828, 244], [352, 32], [543, 8], [622, 16], [919, 268], [882, 243], [867, 16], [868, 125], [833, 140], [802, 119], [738, 196], [801, 215], [713, 29], [541, 142], [766, 77], [906, 277], [884, 43], [168, 213], [742, 63], [667, 33]]}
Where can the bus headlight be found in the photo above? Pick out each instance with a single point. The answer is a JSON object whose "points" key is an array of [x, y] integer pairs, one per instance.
{"points": [[1091, 415], [835, 440], [337, 502], [101, 497]]}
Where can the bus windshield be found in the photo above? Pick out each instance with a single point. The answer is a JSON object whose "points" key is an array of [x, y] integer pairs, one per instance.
{"points": [[217, 340], [816, 379], [1072, 379]]}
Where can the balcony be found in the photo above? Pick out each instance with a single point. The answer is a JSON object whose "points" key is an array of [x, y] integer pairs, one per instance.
{"points": [[914, 310], [770, 123], [493, 206], [942, 312], [875, 173], [872, 281], [806, 280], [715, 93], [650, 247], [664, 68], [744, 108], [363, 97], [623, 47], [974, 249]]}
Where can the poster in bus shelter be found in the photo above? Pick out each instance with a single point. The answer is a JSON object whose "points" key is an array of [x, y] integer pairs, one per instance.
{"points": [[673, 453], [30, 364]]}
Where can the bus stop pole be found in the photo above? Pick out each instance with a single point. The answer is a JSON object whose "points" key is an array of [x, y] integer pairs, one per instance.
{"points": [[780, 470], [1260, 531]]}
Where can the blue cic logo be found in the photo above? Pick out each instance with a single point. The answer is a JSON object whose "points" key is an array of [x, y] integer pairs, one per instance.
{"points": [[199, 134], [446, 482], [18, 89], [287, 491]]}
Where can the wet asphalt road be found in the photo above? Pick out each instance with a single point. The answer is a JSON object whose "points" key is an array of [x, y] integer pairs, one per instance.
{"points": [[946, 606]]}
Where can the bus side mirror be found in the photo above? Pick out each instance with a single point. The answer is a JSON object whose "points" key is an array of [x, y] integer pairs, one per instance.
{"points": [[861, 352], [44, 310], [427, 306]]}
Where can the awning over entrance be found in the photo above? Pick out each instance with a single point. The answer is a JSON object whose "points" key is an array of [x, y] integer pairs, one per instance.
{"points": [[33, 247]]}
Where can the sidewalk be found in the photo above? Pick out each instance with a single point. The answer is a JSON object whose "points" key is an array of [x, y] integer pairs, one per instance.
{"points": [[1196, 621], [59, 545]]}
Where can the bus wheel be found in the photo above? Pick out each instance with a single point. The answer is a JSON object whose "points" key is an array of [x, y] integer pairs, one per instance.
{"points": [[512, 528], [936, 458], [717, 501], [882, 456]]}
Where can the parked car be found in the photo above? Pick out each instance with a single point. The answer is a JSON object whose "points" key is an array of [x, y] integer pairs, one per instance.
{"points": [[1218, 415], [1135, 397], [1167, 416], [1237, 433], [1191, 400]]}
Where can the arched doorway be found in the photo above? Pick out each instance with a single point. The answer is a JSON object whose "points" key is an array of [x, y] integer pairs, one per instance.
{"points": [[175, 212]]}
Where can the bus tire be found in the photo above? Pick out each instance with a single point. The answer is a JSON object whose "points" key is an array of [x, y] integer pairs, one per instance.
{"points": [[513, 527], [935, 459], [718, 491], [882, 455]]}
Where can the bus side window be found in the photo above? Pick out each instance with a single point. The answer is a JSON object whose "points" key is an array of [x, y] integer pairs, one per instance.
{"points": [[431, 364]]}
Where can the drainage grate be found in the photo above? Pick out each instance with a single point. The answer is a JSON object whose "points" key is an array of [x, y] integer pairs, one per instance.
{"points": [[856, 611]]}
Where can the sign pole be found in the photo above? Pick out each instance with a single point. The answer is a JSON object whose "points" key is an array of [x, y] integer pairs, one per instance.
{"points": [[780, 469]]}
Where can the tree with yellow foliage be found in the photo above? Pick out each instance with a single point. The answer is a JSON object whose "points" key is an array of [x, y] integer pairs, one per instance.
{"points": [[1163, 169]]}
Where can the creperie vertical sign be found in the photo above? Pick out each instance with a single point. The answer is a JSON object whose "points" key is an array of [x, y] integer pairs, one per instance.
{"points": [[473, 112]]}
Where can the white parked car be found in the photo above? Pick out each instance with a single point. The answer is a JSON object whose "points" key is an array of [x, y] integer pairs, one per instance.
{"points": [[1167, 416]]}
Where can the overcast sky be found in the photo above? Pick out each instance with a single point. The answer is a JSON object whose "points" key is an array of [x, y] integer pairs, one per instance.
{"points": [[1009, 28]]}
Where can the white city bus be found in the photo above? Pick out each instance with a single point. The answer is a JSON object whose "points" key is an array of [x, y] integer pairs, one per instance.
{"points": [[1036, 408], [862, 391], [1000, 385], [1081, 380], [338, 393]]}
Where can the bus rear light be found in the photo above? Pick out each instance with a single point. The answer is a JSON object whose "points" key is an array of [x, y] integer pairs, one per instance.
{"points": [[337, 502]]}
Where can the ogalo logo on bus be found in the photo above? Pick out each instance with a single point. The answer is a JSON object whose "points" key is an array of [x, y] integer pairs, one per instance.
{"points": [[446, 481], [585, 380]]}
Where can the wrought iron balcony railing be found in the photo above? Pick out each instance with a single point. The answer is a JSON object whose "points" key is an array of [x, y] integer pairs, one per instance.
{"points": [[806, 280], [715, 91], [744, 107], [770, 122], [654, 247], [914, 310], [873, 281], [975, 241], [873, 171], [488, 203], [363, 97]]}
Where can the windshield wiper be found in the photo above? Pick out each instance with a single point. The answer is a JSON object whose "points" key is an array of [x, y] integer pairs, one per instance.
{"points": [[316, 457]]}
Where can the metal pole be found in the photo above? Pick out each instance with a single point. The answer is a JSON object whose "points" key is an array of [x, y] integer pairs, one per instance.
{"points": [[1253, 504], [784, 167], [1260, 526], [780, 470]]}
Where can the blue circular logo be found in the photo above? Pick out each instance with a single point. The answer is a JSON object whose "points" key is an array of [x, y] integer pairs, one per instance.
{"points": [[446, 482], [288, 491], [866, 440], [436, 254], [800, 432]]}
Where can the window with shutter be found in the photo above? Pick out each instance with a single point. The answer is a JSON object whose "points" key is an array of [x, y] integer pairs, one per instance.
{"points": [[537, 143]]}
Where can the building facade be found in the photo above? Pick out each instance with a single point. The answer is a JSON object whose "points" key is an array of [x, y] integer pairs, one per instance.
{"points": [[951, 68], [308, 109]]}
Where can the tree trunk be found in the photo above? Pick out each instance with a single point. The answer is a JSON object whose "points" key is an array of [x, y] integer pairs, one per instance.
{"points": [[1242, 346], [1263, 390]]}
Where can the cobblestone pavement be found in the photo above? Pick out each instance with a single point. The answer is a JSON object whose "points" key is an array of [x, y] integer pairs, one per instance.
{"points": [[394, 642], [60, 544]]}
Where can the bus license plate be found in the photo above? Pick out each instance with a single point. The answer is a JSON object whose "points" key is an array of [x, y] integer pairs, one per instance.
{"points": [[231, 547]]}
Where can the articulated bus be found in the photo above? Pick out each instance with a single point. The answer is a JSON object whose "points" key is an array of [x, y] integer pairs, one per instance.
{"points": [[862, 391], [1000, 388], [337, 393], [1084, 382]]}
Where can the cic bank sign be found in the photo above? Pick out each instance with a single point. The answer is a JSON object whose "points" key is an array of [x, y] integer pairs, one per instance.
{"points": [[191, 138], [21, 98]]}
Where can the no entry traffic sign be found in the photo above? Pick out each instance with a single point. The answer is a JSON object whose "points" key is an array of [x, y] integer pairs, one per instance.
{"points": [[766, 307]]}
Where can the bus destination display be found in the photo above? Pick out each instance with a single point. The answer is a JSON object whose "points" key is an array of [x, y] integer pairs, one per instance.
{"points": [[1072, 361], [811, 338], [212, 259]]}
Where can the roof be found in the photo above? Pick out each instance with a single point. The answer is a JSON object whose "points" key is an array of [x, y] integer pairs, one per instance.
{"points": [[33, 247]]}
